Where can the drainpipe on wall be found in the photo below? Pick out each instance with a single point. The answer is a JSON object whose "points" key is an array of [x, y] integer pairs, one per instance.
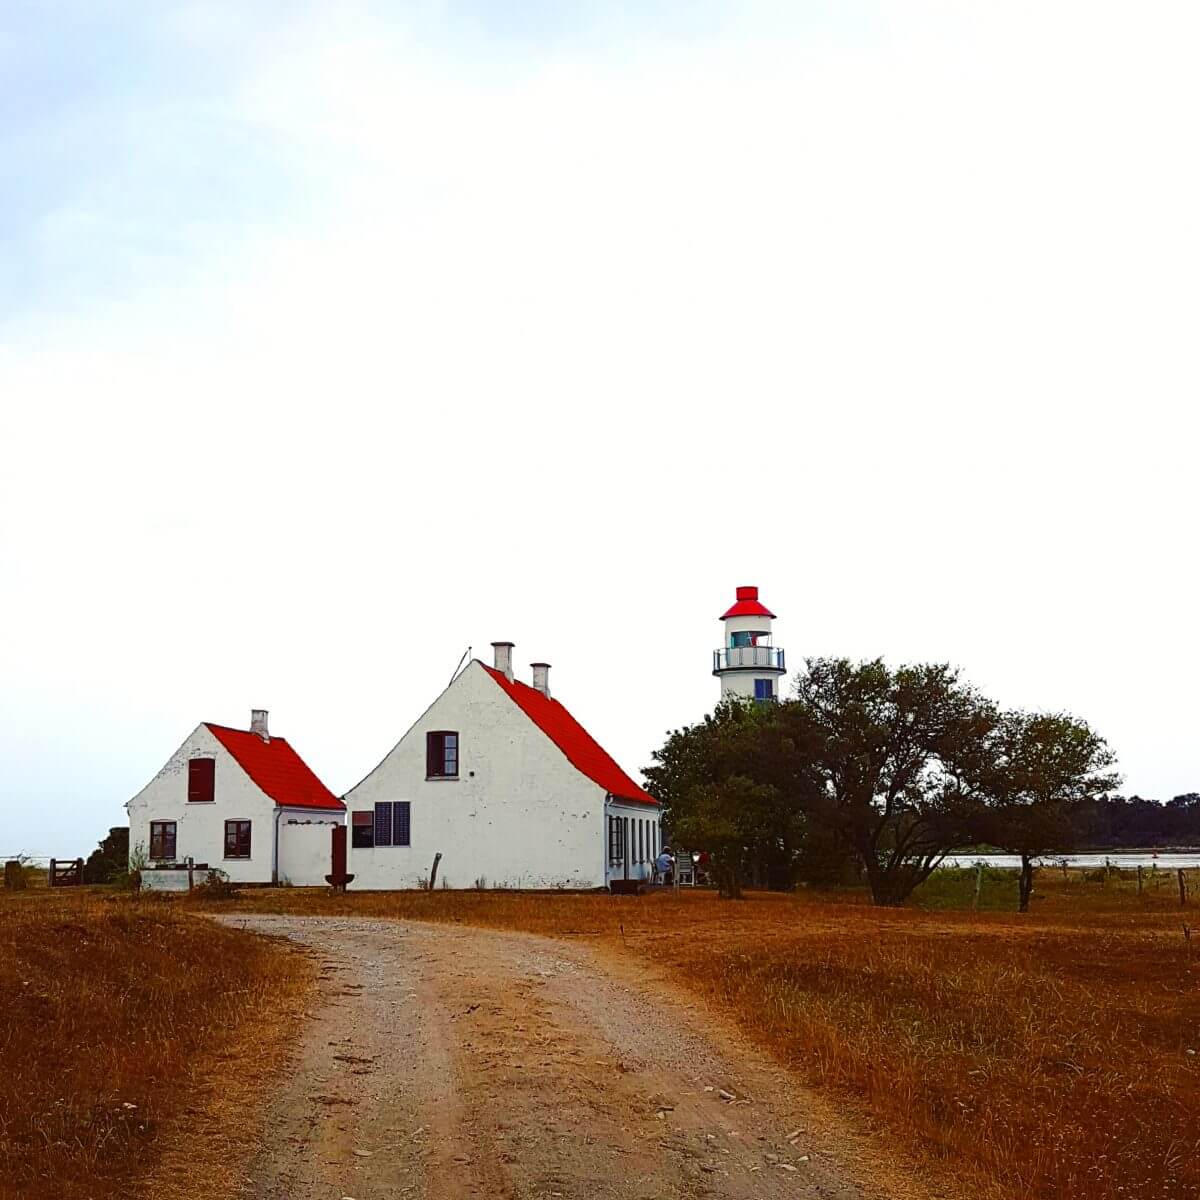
{"points": [[275, 849], [607, 835]]}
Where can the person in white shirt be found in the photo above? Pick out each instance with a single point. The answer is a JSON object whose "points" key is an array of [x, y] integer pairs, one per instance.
{"points": [[664, 865]]}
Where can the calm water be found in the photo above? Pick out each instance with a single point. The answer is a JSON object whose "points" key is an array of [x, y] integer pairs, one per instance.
{"points": [[1165, 860]]}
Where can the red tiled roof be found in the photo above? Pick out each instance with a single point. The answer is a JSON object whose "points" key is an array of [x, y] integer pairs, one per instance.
{"points": [[276, 768], [582, 750], [747, 605]]}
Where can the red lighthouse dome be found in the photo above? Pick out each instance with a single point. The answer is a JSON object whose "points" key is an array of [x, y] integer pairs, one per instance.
{"points": [[747, 605]]}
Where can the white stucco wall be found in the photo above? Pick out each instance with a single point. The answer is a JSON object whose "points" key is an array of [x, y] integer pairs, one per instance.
{"points": [[741, 683], [519, 814], [641, 861], [200, 828], [305, 846]]}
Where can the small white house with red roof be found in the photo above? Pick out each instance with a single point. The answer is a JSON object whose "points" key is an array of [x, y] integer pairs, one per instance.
{"points": [[500, 780], [241, 801]]}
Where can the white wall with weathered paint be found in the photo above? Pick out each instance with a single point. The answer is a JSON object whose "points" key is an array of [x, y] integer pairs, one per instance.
{"points": [[518, 815], [200, 828], [305, 845], [640, 859], [170, 881]]}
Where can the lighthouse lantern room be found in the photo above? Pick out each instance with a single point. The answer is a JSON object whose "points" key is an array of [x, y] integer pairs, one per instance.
{"points": [[748, 665]]}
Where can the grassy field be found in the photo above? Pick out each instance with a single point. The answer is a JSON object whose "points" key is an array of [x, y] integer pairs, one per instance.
{"points": [[1016, 1057], [117, 1022], [1036, 1056]]}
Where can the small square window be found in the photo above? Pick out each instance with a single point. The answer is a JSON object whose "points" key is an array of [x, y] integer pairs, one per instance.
{"points": [[237, 839], [441, 754], [764, 689], [162, 840], [362, 830]]}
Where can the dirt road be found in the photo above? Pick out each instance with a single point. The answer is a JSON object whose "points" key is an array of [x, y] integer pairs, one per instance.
{"points": [[446, 1062]]}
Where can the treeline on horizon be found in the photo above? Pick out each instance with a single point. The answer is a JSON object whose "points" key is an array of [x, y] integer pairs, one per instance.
{"points": [[1119, 822]]}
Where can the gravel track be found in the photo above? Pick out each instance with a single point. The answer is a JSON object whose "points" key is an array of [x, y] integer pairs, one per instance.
{"points": [[445, 1062]]}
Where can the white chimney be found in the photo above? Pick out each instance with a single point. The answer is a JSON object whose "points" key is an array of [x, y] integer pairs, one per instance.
{"points": [[503, 659], [258, 723], [541, 678]]}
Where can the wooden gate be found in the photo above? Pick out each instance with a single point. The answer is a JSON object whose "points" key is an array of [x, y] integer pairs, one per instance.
{"points": [[66, 873]]}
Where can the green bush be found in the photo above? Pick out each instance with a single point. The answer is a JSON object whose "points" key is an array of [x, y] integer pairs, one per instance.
{"points": [[217, 886]]}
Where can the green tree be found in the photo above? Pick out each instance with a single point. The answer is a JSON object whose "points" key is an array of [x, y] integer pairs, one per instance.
{"points": [[734, 786], [895, 751], [110, 859], [1038, 770]]}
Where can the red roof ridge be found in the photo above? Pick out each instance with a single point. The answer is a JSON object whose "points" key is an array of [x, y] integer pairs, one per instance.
{"points": [[582, 750], [276, 768]]}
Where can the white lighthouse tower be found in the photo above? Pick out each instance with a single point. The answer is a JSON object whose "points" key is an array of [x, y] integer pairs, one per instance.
{"points": [[748, 665]]}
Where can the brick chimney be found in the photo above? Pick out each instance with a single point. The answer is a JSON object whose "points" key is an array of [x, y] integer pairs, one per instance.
{"points": [[541, 678], [503, 660], [258, 723]]}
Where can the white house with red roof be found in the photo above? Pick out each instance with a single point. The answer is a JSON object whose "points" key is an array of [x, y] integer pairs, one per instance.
{"points": [[241, 801], [502, 781]]}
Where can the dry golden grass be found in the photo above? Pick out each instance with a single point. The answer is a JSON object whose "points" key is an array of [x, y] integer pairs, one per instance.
{"points": [[1036, 1056], [117, 1018]]}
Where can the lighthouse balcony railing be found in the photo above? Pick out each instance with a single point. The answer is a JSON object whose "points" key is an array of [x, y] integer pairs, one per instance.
{"points": [[767, 658]]}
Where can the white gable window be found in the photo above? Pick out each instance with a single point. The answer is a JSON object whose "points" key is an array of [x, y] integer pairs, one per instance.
{"points": [[441, 754]]}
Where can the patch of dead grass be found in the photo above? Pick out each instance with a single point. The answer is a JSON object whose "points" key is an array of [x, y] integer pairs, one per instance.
{"points": [[1035, 1056], [126, 1027]]}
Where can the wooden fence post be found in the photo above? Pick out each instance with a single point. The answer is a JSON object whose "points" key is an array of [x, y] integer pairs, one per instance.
{"points": [[1182, 888], [978, 884], [53, 864], [1139, 871]]}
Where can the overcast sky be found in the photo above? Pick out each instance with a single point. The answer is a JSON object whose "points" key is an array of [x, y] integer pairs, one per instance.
{"points": [[337, 338]]}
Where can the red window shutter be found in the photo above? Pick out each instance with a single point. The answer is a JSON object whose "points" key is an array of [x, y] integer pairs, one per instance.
{"points": [[433, 754], [201, 780]]}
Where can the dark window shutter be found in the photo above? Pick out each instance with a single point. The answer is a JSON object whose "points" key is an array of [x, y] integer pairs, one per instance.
{"points": [[201, 780], [400, 823], [433, 753], [383, 823]]}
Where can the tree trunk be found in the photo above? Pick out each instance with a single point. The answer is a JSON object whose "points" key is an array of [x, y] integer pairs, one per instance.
{"points": [[1025, 883], [730, 887], [890, 888]]}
